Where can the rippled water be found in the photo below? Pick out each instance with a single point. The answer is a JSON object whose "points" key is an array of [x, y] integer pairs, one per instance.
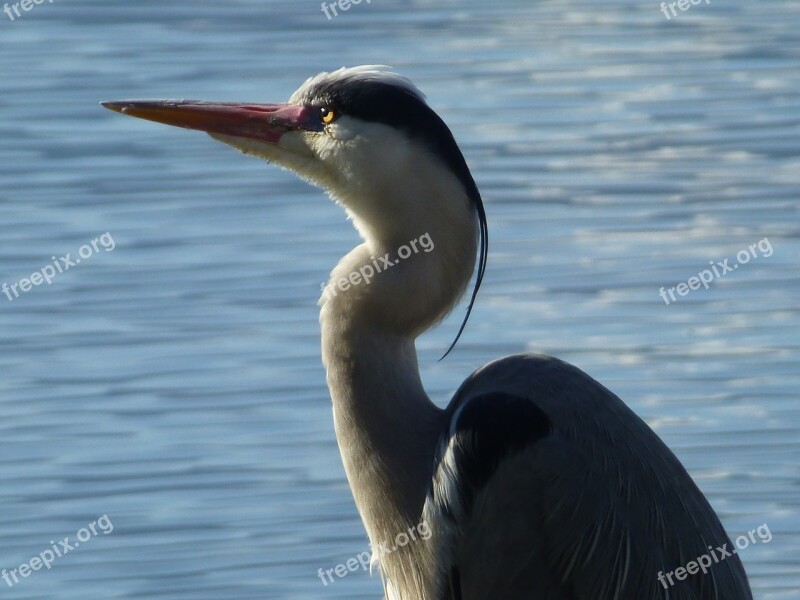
{"points": [[174, 383]]}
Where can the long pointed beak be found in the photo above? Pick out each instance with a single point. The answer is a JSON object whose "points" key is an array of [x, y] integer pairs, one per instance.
{"points": [[265, 122]]}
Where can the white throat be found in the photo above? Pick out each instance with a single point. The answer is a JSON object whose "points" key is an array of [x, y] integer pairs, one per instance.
{"points": [[386, 426]]}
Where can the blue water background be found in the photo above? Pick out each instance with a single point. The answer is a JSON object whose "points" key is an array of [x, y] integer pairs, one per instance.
{"points": [[175, 383]]}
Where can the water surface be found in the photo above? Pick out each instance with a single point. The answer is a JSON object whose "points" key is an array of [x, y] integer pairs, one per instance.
{"points": [[174, 383]]}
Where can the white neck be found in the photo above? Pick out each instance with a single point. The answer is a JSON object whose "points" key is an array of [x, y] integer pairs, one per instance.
{"points": [[386, 426]]}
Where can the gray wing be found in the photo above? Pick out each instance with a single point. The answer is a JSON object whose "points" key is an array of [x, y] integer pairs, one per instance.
{"points": [[548, 487]]}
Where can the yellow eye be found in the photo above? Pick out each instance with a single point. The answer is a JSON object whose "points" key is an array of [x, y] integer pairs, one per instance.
{"points": [[328, 114]]}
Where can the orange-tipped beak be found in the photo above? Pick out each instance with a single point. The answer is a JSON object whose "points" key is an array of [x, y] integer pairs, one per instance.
{"points": [[265, 122]]}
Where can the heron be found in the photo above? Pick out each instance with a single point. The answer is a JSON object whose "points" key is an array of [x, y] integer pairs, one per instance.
{"points": [[536, 482]]}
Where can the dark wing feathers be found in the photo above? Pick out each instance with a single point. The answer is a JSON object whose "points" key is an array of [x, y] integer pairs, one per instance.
{"points": [[486, 430], [547, 487]]}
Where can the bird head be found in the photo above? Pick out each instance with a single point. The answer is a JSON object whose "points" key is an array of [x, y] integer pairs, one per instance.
{"points": [[364, 134], [361, 133]]}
